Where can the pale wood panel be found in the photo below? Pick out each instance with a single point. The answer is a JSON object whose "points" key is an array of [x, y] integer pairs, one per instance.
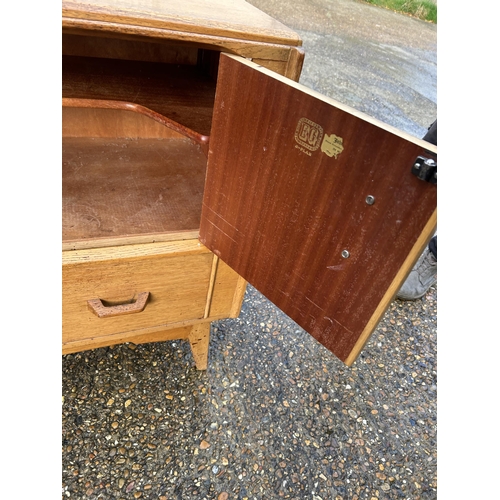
{"points": [[239, 294], [291, 68], [106, 241], [175, 294], [213, 274], [198, 336], [227, 18], [295, 63], [228, 292], [245, 48], [117, 123], [170, 248], [277, 66], [122, 337]]}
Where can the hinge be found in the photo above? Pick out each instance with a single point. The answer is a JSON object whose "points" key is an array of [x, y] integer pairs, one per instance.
{"points": [[425, 169]]}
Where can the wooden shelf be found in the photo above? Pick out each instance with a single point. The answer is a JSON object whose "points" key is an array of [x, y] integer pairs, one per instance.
{"points": [[183, 93], [128, 176], [116, 188]]}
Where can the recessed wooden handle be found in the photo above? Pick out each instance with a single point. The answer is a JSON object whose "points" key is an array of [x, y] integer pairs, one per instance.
{"points": [[99, 309]]}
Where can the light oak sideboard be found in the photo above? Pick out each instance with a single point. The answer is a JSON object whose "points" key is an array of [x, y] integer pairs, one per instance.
{"points": [[193, 162], [138, 94]]}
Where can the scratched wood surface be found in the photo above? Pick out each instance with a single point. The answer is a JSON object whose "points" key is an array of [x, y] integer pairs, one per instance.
{"points": [[116, 187], [285, 206]]}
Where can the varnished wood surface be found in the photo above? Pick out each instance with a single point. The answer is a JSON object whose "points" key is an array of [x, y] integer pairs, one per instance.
{"points": [[114, 187], [119, 338], [122, 119], [183, 94], [174, 294], [130, 50], [198, 336], [281, 215], [226, 18], [184, 281], [133, 251]]}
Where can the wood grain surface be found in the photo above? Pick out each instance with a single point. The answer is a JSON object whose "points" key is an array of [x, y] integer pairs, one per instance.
{"points": [[225, 18], [285, 203], [116, 187], [174, 294], [181, 93]]}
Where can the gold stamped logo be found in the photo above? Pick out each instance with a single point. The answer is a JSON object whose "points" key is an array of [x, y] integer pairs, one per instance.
{"points": [[308, 134], [332, 145]]}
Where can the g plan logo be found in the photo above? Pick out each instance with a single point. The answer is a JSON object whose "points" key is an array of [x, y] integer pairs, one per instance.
{"points": [[308, 136]]}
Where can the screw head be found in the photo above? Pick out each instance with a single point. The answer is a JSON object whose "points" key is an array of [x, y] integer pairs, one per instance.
{"points": [[370, 200], [345, 254]]}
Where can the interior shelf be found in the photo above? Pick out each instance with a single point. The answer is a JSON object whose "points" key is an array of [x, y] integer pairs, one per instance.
{"points": [[128, 175]]}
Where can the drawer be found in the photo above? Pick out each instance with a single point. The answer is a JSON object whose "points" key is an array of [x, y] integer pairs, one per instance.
{"points": [[176, 275]]}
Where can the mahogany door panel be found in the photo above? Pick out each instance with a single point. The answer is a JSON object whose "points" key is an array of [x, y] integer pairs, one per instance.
{"points": [[313, 203]]}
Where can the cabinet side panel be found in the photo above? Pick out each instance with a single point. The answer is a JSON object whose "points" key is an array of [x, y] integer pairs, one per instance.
{"points": [[285, 203], [228, 292]]}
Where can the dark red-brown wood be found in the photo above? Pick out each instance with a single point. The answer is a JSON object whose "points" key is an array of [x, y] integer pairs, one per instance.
{"points": [[181, 93], [281, 215]]}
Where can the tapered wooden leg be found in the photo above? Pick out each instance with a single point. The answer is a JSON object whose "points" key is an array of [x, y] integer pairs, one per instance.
{"points": [[199, 338]]}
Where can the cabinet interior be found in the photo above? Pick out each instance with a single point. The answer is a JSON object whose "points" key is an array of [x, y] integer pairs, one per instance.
{"points": [[136, 120]]}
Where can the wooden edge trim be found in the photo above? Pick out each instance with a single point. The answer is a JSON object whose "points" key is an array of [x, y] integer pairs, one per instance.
{"points": [[211, 285], [142, 338], [403, 272], [161, 249], [239, 294], [172, 331], [129, 240], [295, 63], [281, 35], [246, 48], [201, 140]]}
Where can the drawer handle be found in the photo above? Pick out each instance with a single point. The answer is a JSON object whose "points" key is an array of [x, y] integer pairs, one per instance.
{"points": [[99, 309]]}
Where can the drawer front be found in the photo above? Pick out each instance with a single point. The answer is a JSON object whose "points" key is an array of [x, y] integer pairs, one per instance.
{"points": [[177, 284]]}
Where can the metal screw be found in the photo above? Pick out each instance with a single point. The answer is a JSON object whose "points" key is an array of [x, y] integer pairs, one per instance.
{"points": [[370, 200], [345, 254], [430, 162]]}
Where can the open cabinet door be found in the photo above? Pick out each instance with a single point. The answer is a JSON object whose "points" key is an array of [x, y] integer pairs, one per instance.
{"points": [[315, 204]]}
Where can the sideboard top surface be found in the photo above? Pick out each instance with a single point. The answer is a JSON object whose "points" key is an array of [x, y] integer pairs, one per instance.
{"points": [[227, 18]]}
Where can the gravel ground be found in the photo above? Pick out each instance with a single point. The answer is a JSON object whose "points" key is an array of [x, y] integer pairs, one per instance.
{"points": [[276, 415]]}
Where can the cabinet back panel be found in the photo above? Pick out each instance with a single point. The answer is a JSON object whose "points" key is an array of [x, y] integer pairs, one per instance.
{"points": [[181, 93], [130, 50]]}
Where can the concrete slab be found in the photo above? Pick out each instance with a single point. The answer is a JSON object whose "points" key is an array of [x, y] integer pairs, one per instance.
{"points": [[380, 62]]}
